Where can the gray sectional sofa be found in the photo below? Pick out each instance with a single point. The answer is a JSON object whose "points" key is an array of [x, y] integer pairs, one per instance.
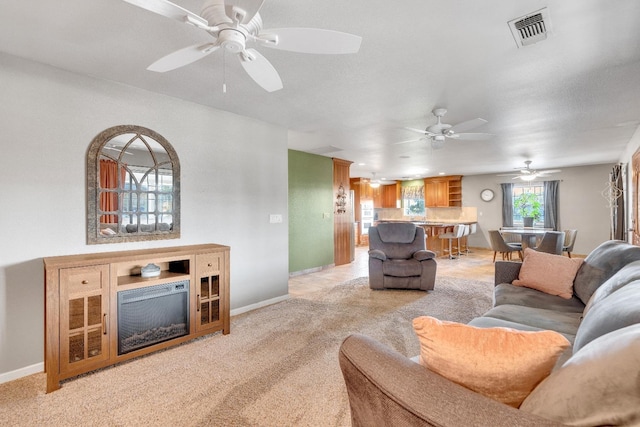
{"points": [[596, 382]]}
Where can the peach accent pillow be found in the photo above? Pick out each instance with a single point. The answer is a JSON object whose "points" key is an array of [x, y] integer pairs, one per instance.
{"points": [[549, 273], [500, 363]]}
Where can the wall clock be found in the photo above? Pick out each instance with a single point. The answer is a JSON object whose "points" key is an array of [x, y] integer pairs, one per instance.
{"points": [[486, 195]]}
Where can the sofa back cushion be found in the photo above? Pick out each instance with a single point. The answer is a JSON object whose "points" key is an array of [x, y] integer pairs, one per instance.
{"points": [[397, 240], [598, 385], [618, 310], [602, 263], [397, 232], [627, 274]]}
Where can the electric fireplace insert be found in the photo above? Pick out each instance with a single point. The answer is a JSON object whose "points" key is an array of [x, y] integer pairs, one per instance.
{"points": [[152, 315]]}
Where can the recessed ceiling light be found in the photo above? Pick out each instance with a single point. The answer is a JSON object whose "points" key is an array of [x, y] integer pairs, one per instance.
{"points": [[361, 164], [441, 173]]}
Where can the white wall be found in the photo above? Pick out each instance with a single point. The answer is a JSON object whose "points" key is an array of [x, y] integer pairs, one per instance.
{"points": [[234, 174], [581, 205]]}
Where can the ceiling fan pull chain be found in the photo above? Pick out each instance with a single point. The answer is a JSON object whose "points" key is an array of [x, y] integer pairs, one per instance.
{"points": [[224, 71]]}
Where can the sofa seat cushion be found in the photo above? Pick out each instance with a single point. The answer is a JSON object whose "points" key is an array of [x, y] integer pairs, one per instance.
{"points": [[506, 293], [618, 310], [492, 322], [602, 263], [598, 385], [563, 322], [401, 267], [500, 363]]}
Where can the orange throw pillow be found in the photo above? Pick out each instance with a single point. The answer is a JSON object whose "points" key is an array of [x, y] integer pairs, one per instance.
{"points": [[500, 363], [549, 273]]}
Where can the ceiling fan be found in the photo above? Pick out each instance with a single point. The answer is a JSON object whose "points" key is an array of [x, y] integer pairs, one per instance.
{"points": [[233, 23], [528, 174], [375, 183], [439, 132]]}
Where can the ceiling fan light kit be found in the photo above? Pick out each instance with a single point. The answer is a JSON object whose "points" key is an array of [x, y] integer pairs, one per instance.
{"points": [[234, 22]]}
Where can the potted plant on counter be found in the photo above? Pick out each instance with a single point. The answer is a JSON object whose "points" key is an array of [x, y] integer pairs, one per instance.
{"points": [[528, 206]]}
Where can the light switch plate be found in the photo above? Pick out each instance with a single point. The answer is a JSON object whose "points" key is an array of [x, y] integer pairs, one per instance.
{"points": [[275, 218]]}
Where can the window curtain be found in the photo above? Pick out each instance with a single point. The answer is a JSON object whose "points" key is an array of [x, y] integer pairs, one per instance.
{"points": [[109, 180], [507, 204], [413, 192], [551, 204], [618, 230]]}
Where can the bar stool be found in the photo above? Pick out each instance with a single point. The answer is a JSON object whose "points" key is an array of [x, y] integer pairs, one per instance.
{"points": [[464, 240], [457, 233], [473, 229]]}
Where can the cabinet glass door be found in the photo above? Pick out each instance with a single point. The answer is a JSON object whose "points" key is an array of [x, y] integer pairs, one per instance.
{"points": [[83, 310], [209, 302]]}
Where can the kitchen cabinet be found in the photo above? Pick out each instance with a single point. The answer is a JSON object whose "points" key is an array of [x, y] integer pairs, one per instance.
{"points": [[386, 196], [444, 191]]}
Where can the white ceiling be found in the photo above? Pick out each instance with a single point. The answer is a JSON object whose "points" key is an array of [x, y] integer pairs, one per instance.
{"points": [[573, 99]]}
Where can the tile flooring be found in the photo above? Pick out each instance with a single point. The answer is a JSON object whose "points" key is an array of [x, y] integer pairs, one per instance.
{"points": [[476, 265]]}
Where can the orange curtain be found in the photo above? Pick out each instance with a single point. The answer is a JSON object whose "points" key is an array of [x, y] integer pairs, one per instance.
{"points": [[109, 180]]}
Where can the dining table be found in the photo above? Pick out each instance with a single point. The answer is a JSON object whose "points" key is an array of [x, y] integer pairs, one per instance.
{"points": [[528, 235]]}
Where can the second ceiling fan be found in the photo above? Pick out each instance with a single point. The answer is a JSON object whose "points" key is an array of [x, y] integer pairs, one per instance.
{"points": [[233, 23], [439, 132], [528, 174]]}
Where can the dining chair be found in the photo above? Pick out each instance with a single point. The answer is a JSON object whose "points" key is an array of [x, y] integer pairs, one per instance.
{"points": [[499, 245], [511, 238], [552, 242], [456, 233], [569, 240]]}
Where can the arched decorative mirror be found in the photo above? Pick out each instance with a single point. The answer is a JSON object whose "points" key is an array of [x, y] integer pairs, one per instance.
{"points": [[133, 187]]}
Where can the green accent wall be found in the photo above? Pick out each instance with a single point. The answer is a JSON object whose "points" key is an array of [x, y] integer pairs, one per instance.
{"points": [[310, 198]]}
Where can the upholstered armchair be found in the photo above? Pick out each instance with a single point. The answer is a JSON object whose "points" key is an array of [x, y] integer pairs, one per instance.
{"points": [[398, 258]]}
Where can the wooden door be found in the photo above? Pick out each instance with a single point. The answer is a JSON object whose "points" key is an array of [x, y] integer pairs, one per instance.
{"points": [[343, 235], [635, 197]]}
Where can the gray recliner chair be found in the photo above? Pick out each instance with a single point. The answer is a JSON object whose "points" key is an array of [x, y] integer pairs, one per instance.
{"points": [[398, 258]]}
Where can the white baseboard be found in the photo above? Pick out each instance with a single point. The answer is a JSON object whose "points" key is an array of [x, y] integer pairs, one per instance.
{"points": [[39, 367], [22, 372], [257, 305]]}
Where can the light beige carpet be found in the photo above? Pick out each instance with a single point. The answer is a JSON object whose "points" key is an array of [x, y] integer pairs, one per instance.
{"points": [[278, 367]]}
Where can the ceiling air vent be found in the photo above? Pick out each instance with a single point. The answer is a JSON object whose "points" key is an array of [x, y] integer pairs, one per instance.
{"points": [[531, 28]]}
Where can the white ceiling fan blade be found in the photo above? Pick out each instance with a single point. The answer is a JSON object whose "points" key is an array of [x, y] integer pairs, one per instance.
{"points": [[471, 136], [549, 171], [422, 131], [250, 7], [312, 40], [410, 140], [182, 57], [468, 125], [170, 10], [261, 70]]}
